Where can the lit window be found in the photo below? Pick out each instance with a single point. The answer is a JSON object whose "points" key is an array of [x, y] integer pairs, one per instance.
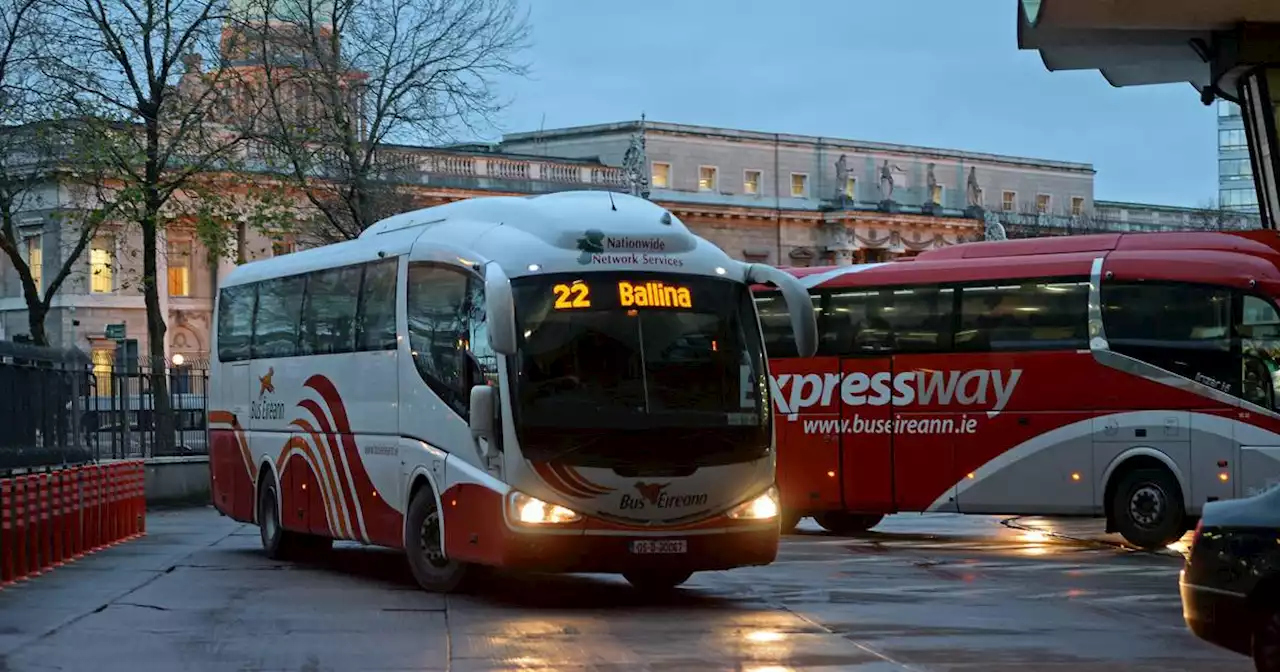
{"points": [[936, 196], [799, 185], [661, 176], [282, 247], [1042, 203], [103, 359], [706, 178], [751, 182], [851, 187], [180, 268], [1077, 206], [35, 260], [101, 256], [1008, 200]]}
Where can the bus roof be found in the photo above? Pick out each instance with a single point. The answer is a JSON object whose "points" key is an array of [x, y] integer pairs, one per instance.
{"points": [[1222, 257], [570, 231]]}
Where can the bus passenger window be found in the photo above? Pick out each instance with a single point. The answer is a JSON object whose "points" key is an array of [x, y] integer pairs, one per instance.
{"points": [[918, 318], [235, 322], [328, 318], [1259, 334], [275, 328], [775, 322], [378, 307], [845, 320], [1050, 314], [1181, 328], [437, 298]]}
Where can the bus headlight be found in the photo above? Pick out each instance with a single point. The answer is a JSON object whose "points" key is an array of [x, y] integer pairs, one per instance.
{"points": [[763, 507], [533, 511]]}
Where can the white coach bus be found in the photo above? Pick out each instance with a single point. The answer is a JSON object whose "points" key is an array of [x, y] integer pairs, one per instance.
{"points": [[569, 383]]}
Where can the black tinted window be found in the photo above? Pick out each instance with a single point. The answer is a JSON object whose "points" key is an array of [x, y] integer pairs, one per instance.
{"points": [[378, 307], [775, 322], [1184, 329], [905, 319], [275, 330], [235, 322], [1033, 315], [437, 305], [328, 320]]}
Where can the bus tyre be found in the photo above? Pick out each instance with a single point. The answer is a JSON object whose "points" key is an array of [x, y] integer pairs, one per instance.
{"points": [[656, 580], [425, 549], [847, 524], [279, 543], [1148, 509]]}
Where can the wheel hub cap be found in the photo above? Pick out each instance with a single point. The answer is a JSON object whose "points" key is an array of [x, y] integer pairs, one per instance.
{"points": [[429, 541], [1146, 506]]}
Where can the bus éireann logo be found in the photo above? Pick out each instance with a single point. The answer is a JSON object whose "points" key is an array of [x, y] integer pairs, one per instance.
{"points": [[592, 242], [655, 495], [264, 382]]}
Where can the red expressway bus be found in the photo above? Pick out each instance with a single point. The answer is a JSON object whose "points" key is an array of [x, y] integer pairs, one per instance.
{"points": [[1126, 376]]}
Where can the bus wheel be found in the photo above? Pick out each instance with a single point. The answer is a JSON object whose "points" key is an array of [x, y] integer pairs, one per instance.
{"points": [[656, 580], [425, 550], [1148, 508], [279, 543], [847, 524]]}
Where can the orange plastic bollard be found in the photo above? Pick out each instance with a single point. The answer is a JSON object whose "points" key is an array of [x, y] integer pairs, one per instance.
{"points": [[56, 526], [44, 524], [113, 504], [136, 499], [77, 512], [32, 513], [90, 511], [21, 566], [8, 563], [142, 499]]}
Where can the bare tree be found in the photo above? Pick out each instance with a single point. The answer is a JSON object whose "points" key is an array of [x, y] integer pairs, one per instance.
{"points": [[1212, 217], [342, 81], [134, 72], [36, 151]]}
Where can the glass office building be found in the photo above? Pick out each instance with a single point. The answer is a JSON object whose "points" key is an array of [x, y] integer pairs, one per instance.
{"points": [[1235, 176]]}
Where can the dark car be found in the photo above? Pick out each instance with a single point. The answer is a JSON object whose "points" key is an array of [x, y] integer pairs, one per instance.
{"points": [[1231, 582]]}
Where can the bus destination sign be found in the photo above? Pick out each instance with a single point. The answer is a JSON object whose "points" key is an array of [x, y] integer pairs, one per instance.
{"points": [[651, 294]]}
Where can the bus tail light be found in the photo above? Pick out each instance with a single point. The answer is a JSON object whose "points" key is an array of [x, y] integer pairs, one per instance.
{"points": [[533, 511], [763, 507]]}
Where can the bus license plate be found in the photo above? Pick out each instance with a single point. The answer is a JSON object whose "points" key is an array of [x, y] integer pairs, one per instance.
{"points": [[655, 546]]}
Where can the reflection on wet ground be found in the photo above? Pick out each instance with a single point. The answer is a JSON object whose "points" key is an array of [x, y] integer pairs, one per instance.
{"points": [[918, 593]]}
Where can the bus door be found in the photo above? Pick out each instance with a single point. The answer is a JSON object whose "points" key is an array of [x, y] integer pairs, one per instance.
{"points": [[866, 435], [807, 428]]}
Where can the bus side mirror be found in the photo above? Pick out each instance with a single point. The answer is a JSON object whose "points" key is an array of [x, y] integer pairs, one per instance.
{"points": [[804, 321], [500, 312], [483, 405]]}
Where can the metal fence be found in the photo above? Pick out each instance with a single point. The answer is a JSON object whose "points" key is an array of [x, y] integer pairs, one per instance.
{"points": [[57, 409]]}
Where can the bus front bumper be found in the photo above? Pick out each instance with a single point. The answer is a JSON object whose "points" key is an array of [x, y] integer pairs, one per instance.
{"points": [[482, 534]]}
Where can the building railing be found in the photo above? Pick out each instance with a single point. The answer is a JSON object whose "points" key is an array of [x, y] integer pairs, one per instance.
{"points": [[120, 418], [402, 163]]}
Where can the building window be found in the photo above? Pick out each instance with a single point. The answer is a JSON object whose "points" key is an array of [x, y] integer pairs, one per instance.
{"points": [[1238, 198], [1232, 140], [751, 182], [103, 360], [179, 268], [661, 175], [799, 185], [706, 178], [1227, 108], [1008, 201], [936, 196], [851, 187], [35, 260], [1077, 206], [1235, 169], [101, 259], [1043, 201], [282, 247]]}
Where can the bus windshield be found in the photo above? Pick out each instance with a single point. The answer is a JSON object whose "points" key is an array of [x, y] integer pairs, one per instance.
{"points": [[648, 353]]}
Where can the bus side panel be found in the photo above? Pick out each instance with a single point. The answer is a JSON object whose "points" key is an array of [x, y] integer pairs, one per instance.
{"points": [[806, 432], [866, 438], [293, 495], [232, 484]]}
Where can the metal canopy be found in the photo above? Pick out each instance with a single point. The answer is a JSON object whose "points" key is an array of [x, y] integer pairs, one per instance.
{"points": [[1135, 42]]}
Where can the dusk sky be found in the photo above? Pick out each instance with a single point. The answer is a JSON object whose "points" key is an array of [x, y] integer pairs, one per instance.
{"points": [[939, 73]]}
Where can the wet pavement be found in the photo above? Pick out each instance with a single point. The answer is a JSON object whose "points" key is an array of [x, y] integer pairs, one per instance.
{"points": [[933, 592]]}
